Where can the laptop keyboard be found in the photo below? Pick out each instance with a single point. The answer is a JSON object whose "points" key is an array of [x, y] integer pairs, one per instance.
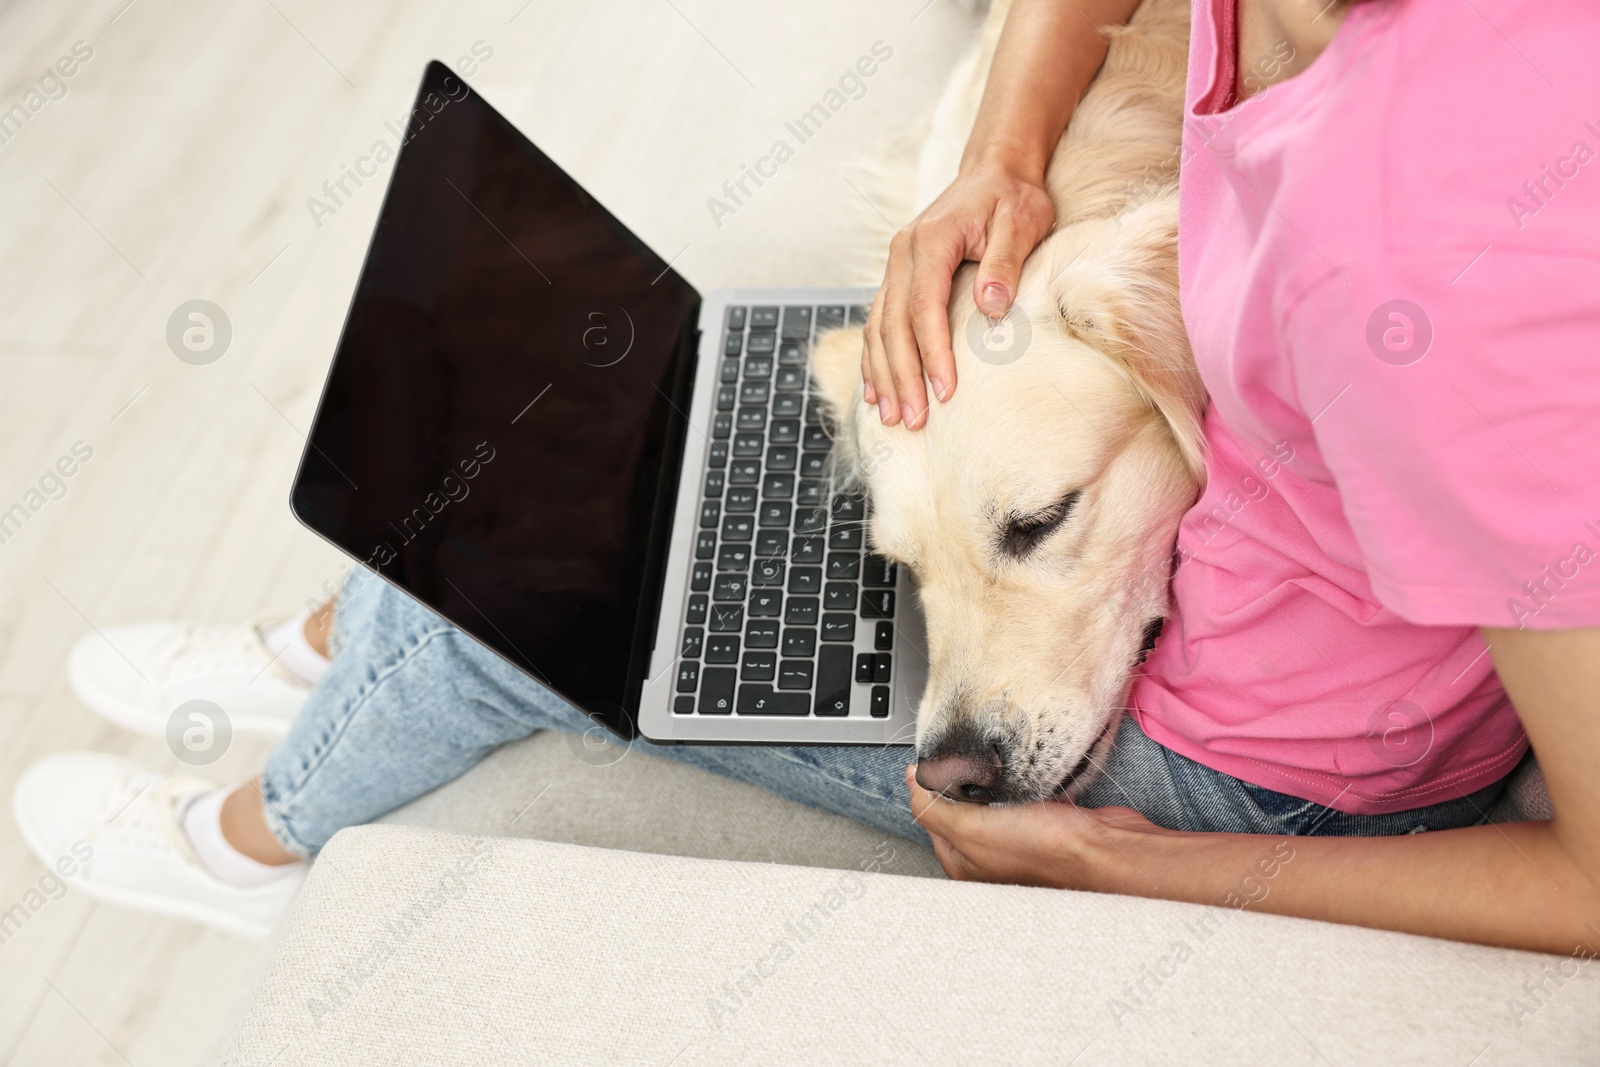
{"points": [[781, 591]]}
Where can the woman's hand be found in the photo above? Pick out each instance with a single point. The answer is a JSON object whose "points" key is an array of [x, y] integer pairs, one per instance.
{"points": [[993, 214], [1051, 843]]}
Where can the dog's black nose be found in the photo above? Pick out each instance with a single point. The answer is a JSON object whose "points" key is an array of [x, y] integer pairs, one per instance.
{"points": [[967, 773]]}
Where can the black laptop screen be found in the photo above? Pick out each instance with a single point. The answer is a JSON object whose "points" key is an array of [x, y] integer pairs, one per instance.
{"points": [[496, 434]]}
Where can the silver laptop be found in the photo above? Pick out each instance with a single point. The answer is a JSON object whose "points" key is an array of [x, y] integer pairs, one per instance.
{"points": [[620, 485]]}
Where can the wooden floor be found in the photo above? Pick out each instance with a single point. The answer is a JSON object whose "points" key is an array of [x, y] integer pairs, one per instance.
{"points": [[177, 166]]}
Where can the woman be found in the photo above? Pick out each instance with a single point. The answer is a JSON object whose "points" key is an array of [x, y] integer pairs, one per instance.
{"points": [[1388, 265]]}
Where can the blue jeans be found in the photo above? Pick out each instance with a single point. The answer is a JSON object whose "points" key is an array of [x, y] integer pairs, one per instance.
{"points": [[411, 703]]}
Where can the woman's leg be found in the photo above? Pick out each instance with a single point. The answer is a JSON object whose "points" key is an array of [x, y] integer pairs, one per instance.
{"points": [[411, 703]]}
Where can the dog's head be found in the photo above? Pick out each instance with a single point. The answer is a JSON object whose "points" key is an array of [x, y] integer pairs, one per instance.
{"points": [[1037, 508]]}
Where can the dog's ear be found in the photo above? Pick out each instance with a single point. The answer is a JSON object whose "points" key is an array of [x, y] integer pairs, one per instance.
{"points": [[1116, 288], [836, 379]]}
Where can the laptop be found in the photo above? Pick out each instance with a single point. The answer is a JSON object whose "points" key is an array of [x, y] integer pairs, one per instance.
{"points": [[620, 485]]}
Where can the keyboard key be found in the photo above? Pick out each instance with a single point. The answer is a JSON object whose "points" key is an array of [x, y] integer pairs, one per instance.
{"points": [[761, 633], [810, 520], [849, 508], [800, 641], [733, 558], [877, 604], [775, 513], [843, 566], [758, 699], [794, 674], [725, 396], [880, 667], [716, 691], [697, 609], [736, 318], [840, 596], [715, 481], [700, 577], [688, 676], [864, 664], [745, 472], [693, 638], [710, 514], [752, 419], [814, 465], [880, 702], [807, 581], [833, 681], [806, 550], [738, 528], [784, 432], [815, 439], [722, 426], [758, 667], [842, 536], [828, 318], [778, 486], [814, 410], [883, 639], [767, 572], [741, 500], [813, 493], [705, 544], [837, 627], [746, 445], [722, 648], [719, 455], [753, 393], [726, 618], [781, 459], [757, 368], [772, 543], [787, 406], [766, 604], [730, 589], [730, 371], [762, 344], [683, 705], [796, 323], [803, 611], [764, 318], [858, 315], [792, 354], [878, 573], [733, 344], [791, 380]]}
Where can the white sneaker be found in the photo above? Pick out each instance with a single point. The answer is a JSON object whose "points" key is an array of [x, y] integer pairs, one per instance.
{"points": [[120, 824], [138, 675]]}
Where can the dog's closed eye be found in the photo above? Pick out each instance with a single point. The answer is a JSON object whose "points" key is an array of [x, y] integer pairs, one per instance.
{"points": [[1021, 534]]}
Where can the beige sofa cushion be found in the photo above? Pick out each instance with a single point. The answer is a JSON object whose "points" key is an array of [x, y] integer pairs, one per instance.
{"points": [[413, 946], [565, 787]]}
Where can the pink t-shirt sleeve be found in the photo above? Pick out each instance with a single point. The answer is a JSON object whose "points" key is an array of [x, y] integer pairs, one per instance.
{"points": [[1467, 453]]}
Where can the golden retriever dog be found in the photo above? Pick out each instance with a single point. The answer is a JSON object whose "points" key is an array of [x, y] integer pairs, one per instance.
{"points": [[1038, 508]]}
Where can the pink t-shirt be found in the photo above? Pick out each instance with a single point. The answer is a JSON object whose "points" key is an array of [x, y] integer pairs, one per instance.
{"points": [[1390, 272]]}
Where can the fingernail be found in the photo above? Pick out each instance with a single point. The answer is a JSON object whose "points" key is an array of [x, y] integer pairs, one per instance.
{"points": [[938, 388], [885, 409], [908, 414], [995, 299]]}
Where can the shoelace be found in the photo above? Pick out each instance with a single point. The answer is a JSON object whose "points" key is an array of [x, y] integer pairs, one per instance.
{"points": [[198, 650], [150, 823]]}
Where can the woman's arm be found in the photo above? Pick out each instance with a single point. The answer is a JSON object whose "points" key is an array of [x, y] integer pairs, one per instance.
{"points": [[996, 211], [1532, 885]]}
